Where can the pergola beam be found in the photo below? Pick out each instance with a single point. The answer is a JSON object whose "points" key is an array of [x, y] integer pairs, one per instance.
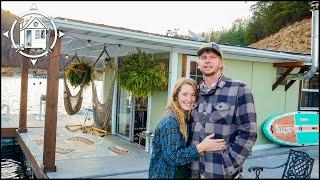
{"points": [[50, 128], [24, 94]]}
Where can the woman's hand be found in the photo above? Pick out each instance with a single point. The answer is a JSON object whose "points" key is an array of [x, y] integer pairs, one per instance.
{"points": [[209, 144]]}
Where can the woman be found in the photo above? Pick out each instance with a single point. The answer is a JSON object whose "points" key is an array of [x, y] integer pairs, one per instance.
{"points": [[170, 152]]}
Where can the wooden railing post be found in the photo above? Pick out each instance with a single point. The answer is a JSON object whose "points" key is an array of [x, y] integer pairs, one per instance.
{"points": [[50, 128], [24, 94]]}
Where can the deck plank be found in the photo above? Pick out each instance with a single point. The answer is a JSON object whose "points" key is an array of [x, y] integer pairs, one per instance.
{"points": [[95, 161]]}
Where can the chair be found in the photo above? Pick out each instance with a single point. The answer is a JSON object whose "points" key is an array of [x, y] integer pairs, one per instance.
{"points": [[144, 135], [298, 166]]}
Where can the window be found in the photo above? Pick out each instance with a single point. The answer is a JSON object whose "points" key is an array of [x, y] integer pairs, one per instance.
{"points": [[29, 39], [37, 34], [43, 34], [309, 94], [192, 70]]}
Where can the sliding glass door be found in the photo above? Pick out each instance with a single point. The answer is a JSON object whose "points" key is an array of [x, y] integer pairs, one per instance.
{"points": [[124, 114]]}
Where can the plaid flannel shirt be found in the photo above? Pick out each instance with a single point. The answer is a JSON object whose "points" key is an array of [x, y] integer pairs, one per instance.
{"points": [[227, 111], [169, 149]]}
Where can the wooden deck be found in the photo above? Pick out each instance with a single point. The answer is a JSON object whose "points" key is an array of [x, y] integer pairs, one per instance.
{"points": [[85, 160]]}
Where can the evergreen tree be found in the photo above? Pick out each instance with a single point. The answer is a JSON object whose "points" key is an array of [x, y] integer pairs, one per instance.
{"points": [[268, 17]]}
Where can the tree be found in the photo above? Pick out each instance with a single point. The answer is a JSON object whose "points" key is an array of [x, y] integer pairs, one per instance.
{"points": [[270, 16], [234, 36]]}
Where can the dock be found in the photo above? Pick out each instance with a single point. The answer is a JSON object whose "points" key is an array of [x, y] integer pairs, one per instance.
{"points": [[97, 161], [78, 159]]}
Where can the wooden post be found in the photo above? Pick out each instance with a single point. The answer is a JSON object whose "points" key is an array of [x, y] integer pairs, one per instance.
{"points": [[24, 94], [50, 128], [280, 79]]}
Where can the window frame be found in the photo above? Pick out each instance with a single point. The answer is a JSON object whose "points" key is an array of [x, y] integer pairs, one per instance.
{"points": [[312, 90], [37, 34], [191, 58], [42, 34]]}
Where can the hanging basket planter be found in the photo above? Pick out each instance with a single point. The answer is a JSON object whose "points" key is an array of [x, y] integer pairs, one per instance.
{"points": [[79, 73], [141, 75]]}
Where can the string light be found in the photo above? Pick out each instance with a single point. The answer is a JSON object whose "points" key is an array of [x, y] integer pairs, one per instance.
{"points": [[85, 43]]}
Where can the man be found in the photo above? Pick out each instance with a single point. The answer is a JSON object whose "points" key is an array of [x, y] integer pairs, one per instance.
{"points": [[225, 107]]}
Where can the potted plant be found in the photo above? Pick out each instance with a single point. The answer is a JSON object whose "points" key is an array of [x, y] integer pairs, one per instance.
{"points": [[79, 73], [141, 75]]}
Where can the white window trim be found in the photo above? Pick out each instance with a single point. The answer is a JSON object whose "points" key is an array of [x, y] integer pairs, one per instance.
{"points": [[310, 90], [309, 108], [189, 59], [303, 108]]}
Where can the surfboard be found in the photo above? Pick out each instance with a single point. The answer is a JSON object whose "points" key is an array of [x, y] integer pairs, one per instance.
{"points": [[293, 129]]}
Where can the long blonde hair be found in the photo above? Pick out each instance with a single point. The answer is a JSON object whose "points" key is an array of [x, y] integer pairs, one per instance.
{"points": [[174, 105]]}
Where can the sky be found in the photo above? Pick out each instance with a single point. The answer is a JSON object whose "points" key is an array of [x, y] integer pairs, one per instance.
{"points": [[154, 17]]}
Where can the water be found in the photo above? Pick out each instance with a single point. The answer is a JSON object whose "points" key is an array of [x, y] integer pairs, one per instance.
{"points": [[10, 94], [13, 162]]}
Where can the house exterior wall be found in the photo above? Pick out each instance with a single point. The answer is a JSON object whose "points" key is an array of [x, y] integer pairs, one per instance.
{"points": [[268, 102], [259, 76], [158, 104]]}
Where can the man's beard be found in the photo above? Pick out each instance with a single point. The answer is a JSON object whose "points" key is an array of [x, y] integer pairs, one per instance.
{"points": [[209, 74]]}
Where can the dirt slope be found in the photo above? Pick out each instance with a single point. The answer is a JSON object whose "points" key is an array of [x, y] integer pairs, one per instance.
{"points": [[295, 38]]}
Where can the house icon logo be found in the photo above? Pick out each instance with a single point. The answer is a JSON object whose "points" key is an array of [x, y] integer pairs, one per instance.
{"points": [[33, 34], [34, 30]]}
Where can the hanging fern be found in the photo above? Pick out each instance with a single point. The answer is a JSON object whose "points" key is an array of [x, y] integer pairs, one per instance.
{"points": [[79, 72], [141, 75]]}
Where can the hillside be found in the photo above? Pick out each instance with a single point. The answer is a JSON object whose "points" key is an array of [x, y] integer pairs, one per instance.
{"points": [[295, 38], [7, 20]]}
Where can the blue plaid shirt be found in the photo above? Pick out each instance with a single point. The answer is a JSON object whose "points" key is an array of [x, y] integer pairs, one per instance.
{"points": [[228, 111], [169, 149]]}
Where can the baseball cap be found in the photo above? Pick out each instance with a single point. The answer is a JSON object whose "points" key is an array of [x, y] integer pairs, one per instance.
{"points": [[210, 46]]}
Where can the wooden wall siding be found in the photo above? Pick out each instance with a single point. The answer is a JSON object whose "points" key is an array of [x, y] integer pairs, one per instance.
{"points": [[50, 129], [24, 94]]}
